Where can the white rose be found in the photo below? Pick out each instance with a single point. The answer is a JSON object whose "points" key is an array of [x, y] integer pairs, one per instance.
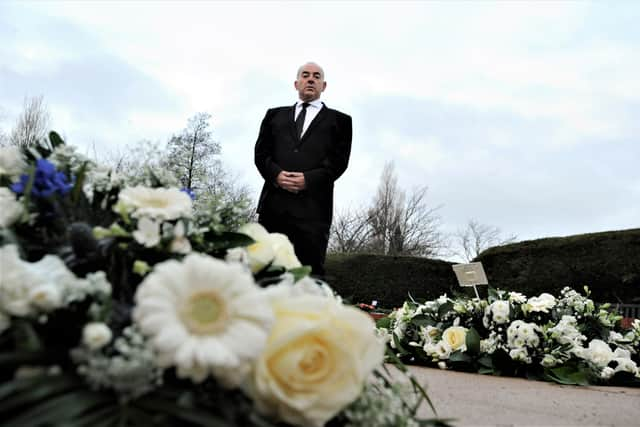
{"points": [[96, 335], [46, 296], [599, 353], [455, 337], [285, 255], [10, 208], [316, 361], [260, 253], [542, 303]]}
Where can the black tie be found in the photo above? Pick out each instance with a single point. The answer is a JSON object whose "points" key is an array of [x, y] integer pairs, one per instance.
{"points": [[300, 119]]}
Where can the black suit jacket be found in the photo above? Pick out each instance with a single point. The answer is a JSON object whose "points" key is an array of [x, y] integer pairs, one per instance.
{"points": [[322, 154]]}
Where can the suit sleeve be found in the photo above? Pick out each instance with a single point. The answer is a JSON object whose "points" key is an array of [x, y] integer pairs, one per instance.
{"points": [[336, 162], [263, 153]]}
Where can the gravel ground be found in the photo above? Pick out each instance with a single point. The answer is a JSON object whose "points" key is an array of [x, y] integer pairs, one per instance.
{"points": [[482, 400]]}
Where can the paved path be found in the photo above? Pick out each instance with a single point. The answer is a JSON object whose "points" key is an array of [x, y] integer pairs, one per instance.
{"points": [[482, 400]]}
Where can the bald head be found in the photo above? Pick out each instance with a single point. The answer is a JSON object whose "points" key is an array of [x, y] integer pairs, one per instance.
{"points": [[310, 82], [313, 64]]}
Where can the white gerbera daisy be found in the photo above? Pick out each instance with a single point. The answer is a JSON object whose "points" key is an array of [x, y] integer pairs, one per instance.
{"points": [[157, 203], [204, 316]]}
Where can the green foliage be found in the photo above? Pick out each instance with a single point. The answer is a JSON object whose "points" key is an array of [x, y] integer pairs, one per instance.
{"points": [[389, 279], [609, 263]]}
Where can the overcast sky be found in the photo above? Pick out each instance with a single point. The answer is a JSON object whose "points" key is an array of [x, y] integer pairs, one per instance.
{"points": [[521, 115]]}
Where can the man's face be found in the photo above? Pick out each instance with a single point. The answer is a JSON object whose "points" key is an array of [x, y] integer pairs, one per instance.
{"points": [[310, 83]]}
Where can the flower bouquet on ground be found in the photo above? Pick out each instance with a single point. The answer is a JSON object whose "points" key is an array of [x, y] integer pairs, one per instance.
{"points": [[120, 306], [566, 339]]}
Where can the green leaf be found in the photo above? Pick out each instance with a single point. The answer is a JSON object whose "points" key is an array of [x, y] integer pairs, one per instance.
{"points": [[26, 392], [55, 139], [227, 240], [27, 340], [568, 375], [61, 409], [399, 348], [472, 341], [384, 322], [423, 320], [459, 356], [444, 309], [76, 192], [191, 414], [300, 272]]}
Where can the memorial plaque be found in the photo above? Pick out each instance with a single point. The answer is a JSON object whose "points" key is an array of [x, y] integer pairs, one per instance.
{"points": [[470, 274]]}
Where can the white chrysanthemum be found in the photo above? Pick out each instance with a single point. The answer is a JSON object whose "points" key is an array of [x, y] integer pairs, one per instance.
{"points": [[521, 334], [498, 312], [96, 335], [204, 316], [517, 297], [157, 203], [566, 332], [148, 232], [10, 208], [11, 162]]}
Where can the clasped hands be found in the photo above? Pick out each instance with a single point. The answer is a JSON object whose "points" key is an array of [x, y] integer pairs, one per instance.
{"points": [[291, 181]]}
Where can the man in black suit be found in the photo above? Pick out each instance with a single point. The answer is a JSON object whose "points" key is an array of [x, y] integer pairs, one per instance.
{"points": [[301, 150]]}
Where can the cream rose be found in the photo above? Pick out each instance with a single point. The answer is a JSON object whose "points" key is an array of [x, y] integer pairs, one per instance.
{"points": [[455, 337], [316, 360]]}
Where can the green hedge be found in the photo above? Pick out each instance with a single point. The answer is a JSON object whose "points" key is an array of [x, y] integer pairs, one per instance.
{"points": [[608, 263], [388, 279]]}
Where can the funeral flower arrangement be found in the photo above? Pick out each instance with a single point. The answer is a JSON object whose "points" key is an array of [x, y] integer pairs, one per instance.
{"points": [[120, 306], [565, 338]]}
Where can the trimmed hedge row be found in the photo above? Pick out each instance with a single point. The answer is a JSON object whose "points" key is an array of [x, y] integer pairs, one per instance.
{"points": [[388, 279], [608, 263]]}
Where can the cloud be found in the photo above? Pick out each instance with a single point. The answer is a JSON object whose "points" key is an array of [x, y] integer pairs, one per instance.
{"points": [[519, 114]]}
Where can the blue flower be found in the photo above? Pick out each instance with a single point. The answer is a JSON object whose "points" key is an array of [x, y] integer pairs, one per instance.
{"points": [[47, 181], [189, 192]]}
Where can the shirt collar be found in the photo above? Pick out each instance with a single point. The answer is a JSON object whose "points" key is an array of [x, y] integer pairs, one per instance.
{"points": [[315, 103]]}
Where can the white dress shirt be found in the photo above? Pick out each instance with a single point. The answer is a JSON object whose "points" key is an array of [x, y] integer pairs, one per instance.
{"points": [[312, 110]]}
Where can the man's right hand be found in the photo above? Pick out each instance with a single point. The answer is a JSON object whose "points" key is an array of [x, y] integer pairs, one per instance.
{"points": [[291, 181]]}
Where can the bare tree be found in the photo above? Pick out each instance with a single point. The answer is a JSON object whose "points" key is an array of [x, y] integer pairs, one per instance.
{"points": [[477, 237], [394, 224], [350, 231], [32, 124]]}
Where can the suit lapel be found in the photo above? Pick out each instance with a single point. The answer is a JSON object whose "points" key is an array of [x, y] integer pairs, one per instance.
{"points": [[322, 114]]}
